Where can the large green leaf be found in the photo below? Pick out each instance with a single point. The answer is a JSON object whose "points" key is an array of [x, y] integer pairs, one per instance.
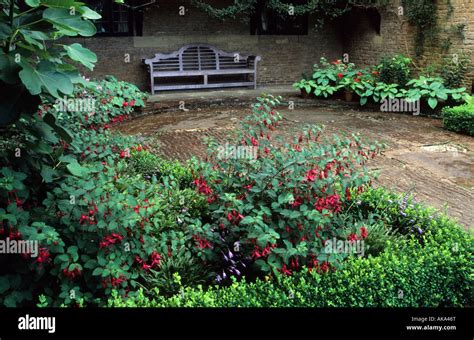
{"points": [[77, 170], [432, 102], [89, 14], [68, 24], [5, 31], [83, 55], [45, 76], [33, 3]]}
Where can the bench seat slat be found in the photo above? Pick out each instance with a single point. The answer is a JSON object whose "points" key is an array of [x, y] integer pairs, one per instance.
{"points": [[202, 72]]}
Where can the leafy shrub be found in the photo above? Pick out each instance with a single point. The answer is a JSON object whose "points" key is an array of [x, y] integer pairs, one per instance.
{"points": [[148, 164], [394, 70], [432, 90], [432, 271], [454, 69], [274, 212], [182, 265], [97, 224], [459, 118]]}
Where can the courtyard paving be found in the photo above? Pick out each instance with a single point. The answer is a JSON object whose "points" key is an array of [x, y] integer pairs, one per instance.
{"points": [[421, 157]]}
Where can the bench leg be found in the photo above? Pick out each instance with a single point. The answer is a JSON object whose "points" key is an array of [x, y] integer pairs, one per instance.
{"points": [[205, 79]]}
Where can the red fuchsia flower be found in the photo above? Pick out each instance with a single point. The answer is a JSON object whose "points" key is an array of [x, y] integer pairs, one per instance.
{"points": [[76, 272], [284, 270], [132, 103], [311, 175], [359, 74], [43, 256], [235, 217], [348, 194], [248, 187], [297, 202], [256, 253], [324, 267], [14, 235], [336, 62], [297, 148], [115, 281], [364, 232], [266, 150], [202, 243], [110, 239], [375, 72], [340, 75], [330, 203], [254, 141], [357, 80], [124, 154], [352, 237], [155, 260], [202, 187], [125, 104]]}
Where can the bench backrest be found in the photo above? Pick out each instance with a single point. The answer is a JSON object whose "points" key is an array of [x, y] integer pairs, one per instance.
{"points": [[198, 57]]}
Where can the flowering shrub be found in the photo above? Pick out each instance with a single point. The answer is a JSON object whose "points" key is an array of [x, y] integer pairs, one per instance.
{"points": [[389, 79], [112, 101], [277, 211], [98, 225], [408, 273]]}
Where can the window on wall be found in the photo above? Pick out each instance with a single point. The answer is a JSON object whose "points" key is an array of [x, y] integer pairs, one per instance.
{"points": [[266, 21], [117, 20]]}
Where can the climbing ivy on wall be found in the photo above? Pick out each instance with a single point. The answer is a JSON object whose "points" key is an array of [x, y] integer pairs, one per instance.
{"points": [[328, 8], [422, 14], [239, 7]]}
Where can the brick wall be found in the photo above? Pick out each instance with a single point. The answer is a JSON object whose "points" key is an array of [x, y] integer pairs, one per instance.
{"points": [[284, 58], [365, 46]]}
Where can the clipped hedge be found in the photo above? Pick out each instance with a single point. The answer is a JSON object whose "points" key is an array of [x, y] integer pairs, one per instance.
{"points": [[459, 118], [428, 270]]}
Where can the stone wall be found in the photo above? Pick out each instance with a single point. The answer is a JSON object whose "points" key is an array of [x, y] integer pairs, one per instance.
{"points": [[284, 58]]}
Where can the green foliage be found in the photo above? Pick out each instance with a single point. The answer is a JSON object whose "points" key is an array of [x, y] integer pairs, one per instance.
{"points": [[432, 90], [459, 118], [394, 70], [433, 271], [148, 165], [28, 68], [93, 221], [422, 14], [178, 271], [454, 69]]}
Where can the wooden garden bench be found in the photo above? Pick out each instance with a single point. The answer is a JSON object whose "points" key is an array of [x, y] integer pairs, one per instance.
{"points": [[191, 62]]}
